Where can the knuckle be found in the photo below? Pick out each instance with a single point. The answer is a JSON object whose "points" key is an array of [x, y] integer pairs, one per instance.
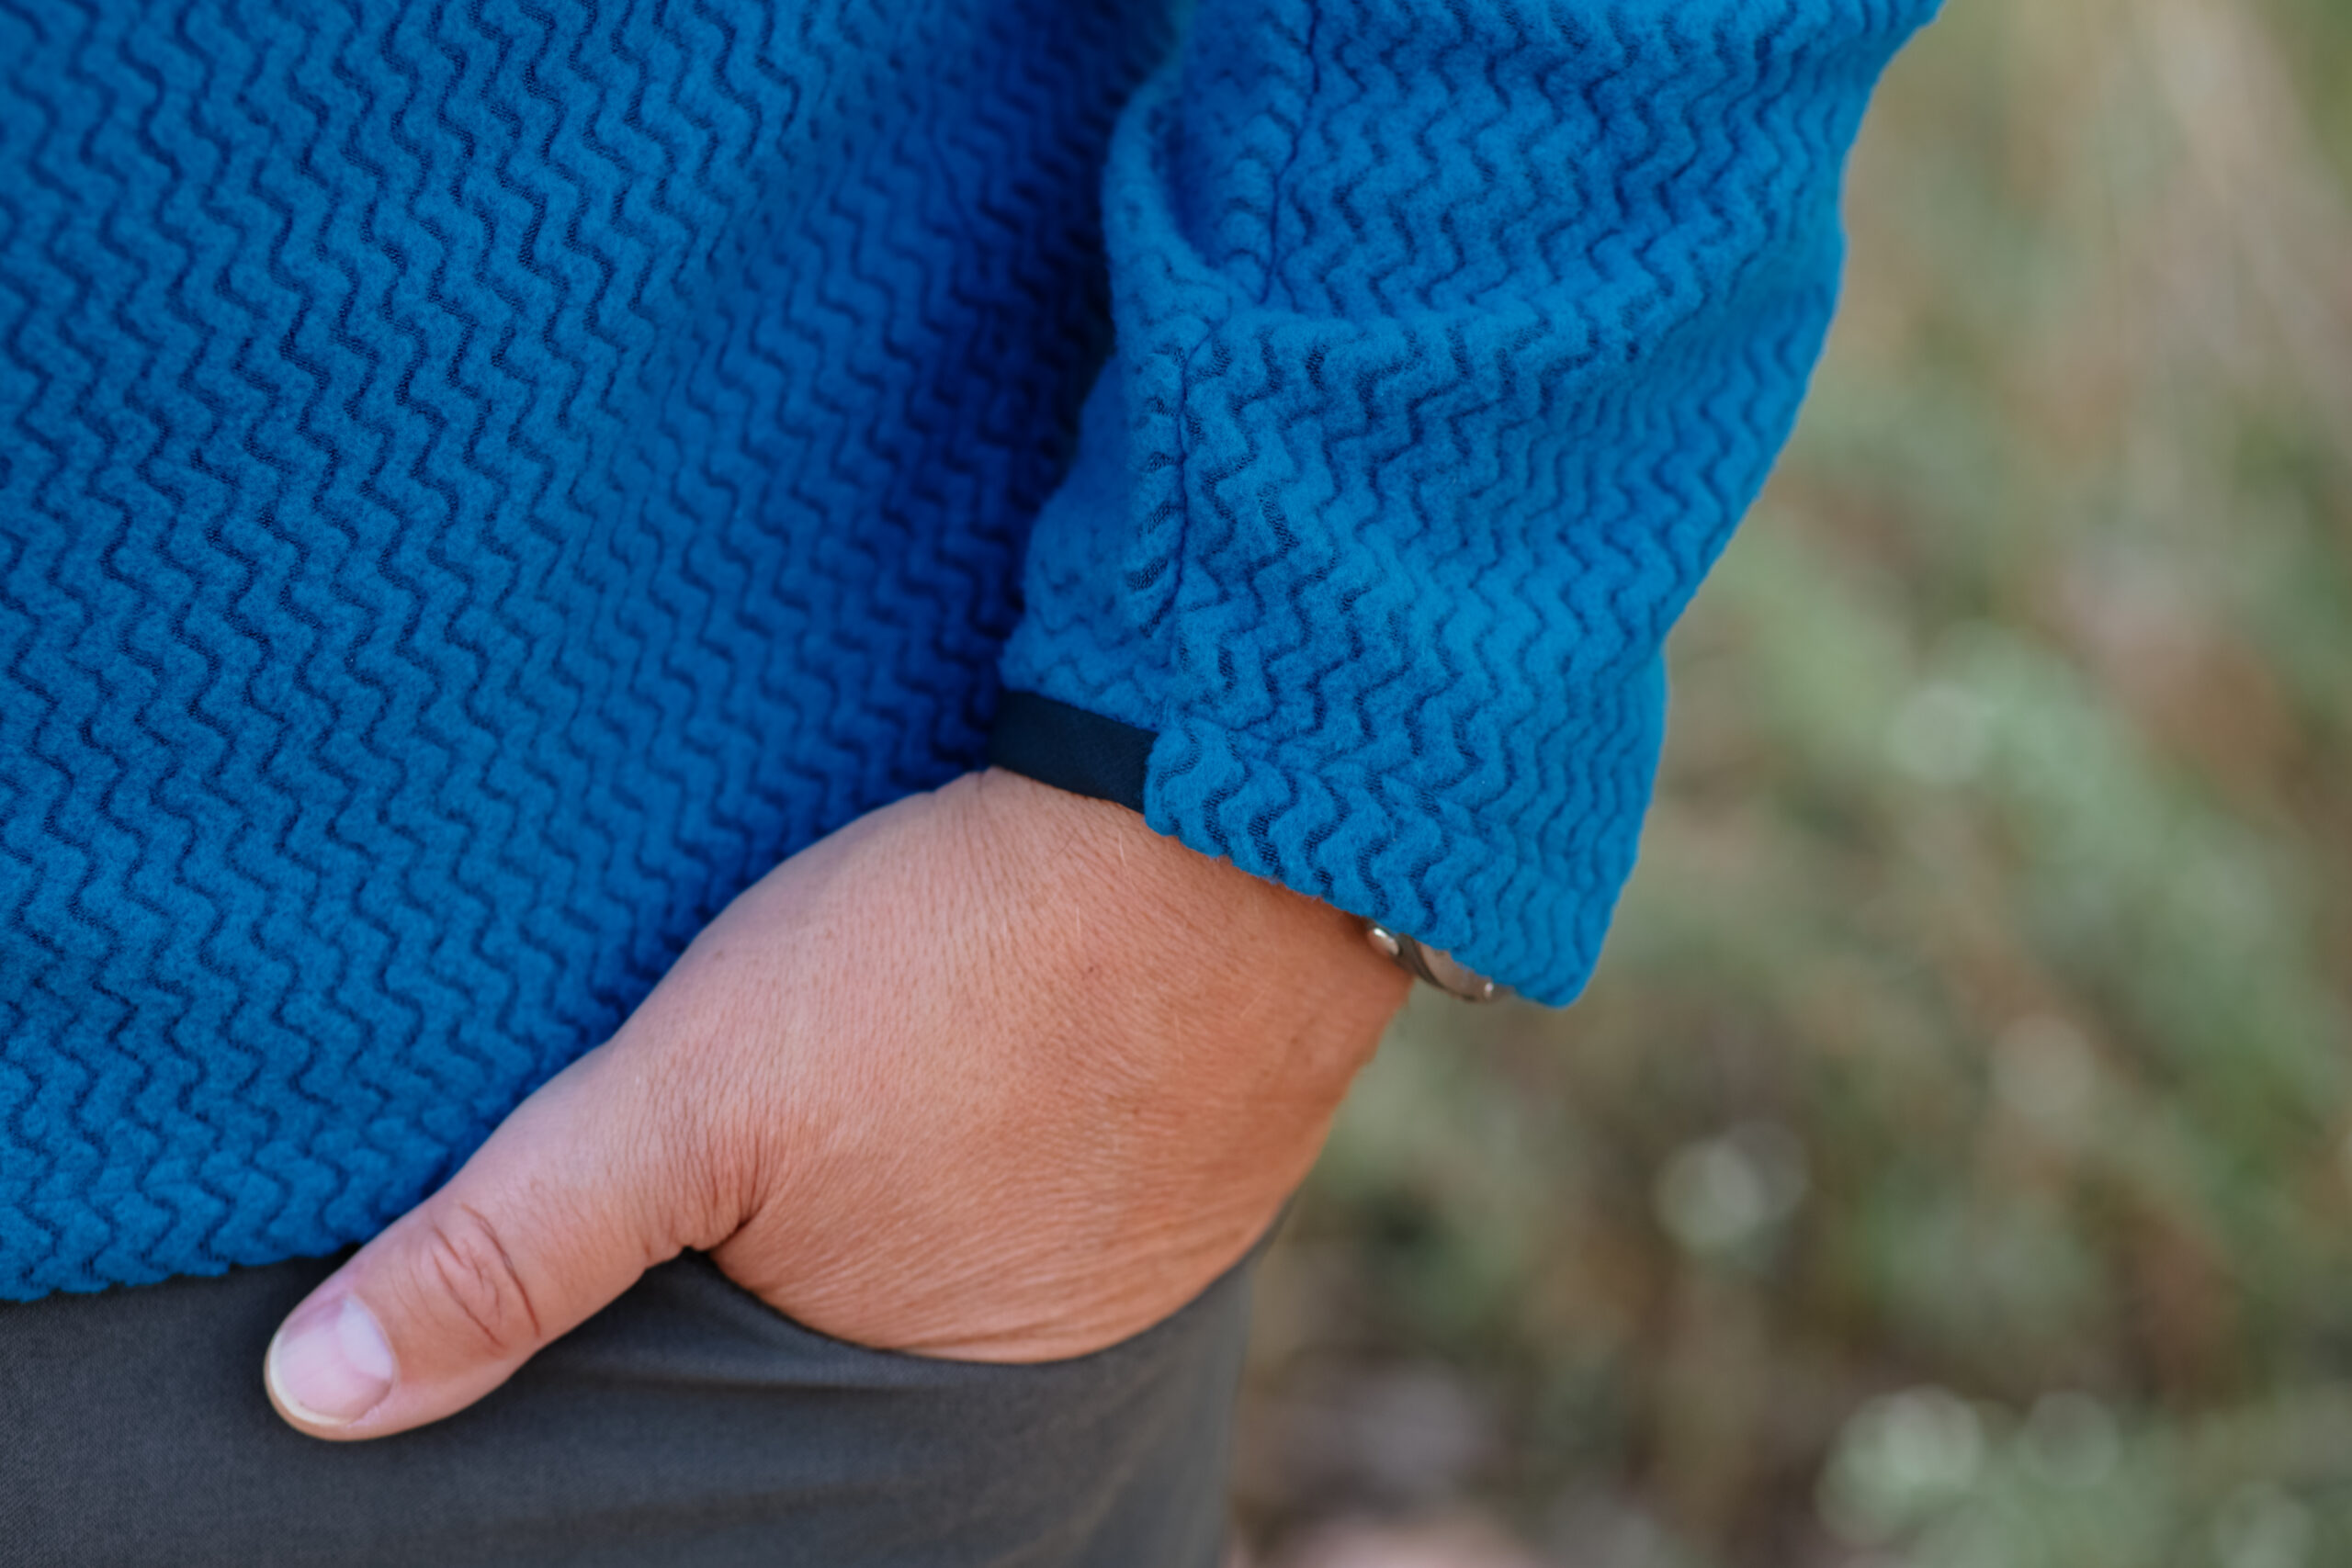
{"points": [[475, 1275]]}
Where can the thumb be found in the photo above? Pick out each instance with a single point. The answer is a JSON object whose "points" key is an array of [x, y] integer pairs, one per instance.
{"points": [[575, 1195]]}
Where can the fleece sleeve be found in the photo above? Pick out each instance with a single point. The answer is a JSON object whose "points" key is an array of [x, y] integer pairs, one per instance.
{"points": [[1453, 339]]}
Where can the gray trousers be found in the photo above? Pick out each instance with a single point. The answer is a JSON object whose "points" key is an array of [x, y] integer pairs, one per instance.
{"points": [[686, 1426]]}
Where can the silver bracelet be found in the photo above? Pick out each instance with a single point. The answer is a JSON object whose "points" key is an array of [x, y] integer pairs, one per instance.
{"points": [[1428, 964]]}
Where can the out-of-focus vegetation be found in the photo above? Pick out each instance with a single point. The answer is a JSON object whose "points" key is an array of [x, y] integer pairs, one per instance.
{"points": [[1949, 1168]]}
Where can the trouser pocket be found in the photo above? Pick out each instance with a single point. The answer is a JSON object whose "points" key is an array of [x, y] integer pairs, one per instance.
{"points": [[687, 1425]]}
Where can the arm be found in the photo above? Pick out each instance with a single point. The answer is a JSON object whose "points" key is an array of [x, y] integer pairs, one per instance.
{"points": [[1453, 340]]}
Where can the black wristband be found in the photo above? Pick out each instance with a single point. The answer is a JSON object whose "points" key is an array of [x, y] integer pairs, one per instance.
{"points": [[1070, 748]]}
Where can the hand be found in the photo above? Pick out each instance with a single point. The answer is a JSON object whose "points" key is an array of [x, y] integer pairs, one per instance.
{"points": [[995, 1073]]}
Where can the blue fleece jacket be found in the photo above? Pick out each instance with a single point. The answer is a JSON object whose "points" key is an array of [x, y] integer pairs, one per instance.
{"points": [[484, 480]]}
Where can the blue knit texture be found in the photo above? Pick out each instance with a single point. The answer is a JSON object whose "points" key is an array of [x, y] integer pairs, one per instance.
{"points": [[484, 480], [1453, 341], [482, 484]]}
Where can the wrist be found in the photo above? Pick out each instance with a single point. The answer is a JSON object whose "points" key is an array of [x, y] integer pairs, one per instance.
{"points": [[1118, 875]]}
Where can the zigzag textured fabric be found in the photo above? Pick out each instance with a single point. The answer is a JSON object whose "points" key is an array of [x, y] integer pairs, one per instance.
{"points": [[482, 481]]}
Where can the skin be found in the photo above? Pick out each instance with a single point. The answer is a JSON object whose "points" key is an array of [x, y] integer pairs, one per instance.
{"points": [[995, 1073]]}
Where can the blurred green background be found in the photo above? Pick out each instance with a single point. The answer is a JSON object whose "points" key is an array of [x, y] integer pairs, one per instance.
{"points": [[1949, 1168]]}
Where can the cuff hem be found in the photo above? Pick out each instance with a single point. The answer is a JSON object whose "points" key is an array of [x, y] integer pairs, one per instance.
{"points": [[1525, 904]]}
